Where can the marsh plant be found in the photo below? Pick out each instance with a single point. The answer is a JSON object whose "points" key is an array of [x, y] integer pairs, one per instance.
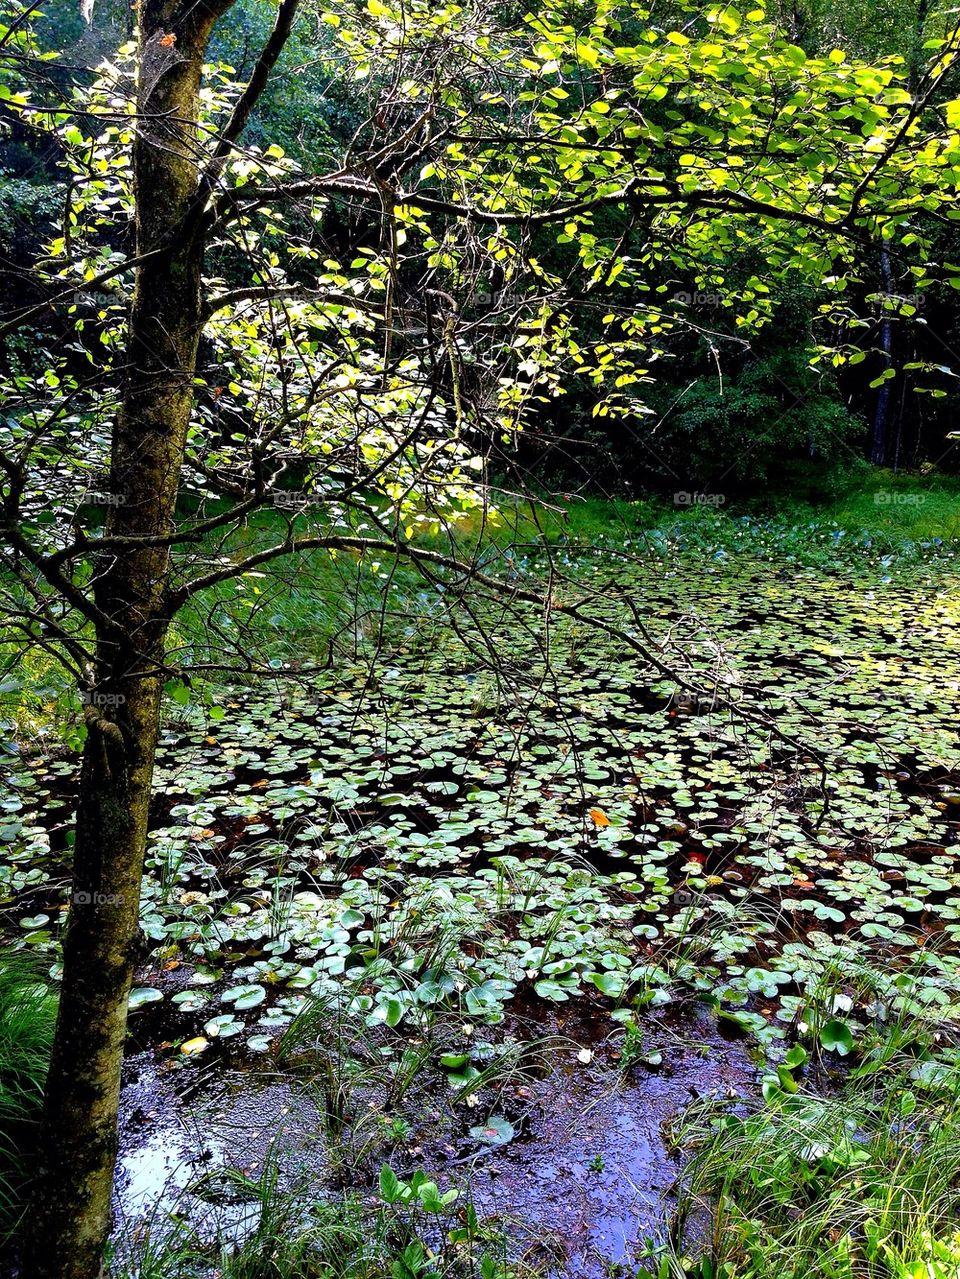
{"points": [[27, 1015], [858, 1181], [411, 1229], [377, 1086]]}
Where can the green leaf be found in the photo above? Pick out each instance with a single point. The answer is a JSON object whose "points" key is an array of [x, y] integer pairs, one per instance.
{"points": [[787, 1081], [611, 984], [392, 1189], [497, 1131], [244, 996], [178, 691], [223, 1027], [142, 996], [836, 1036]]}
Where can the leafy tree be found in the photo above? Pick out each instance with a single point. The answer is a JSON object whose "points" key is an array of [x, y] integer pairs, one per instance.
{"points": [[220, 323]]}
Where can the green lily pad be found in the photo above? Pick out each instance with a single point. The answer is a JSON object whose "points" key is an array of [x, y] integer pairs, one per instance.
{"points": [[497, 1131], [143, 995]]}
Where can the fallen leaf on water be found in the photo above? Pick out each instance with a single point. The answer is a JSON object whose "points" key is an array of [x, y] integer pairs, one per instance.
{"points": [[599, 817]]}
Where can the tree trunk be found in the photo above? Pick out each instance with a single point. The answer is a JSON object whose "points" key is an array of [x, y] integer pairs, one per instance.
{"points": [[878, 442], [70, 1220]]}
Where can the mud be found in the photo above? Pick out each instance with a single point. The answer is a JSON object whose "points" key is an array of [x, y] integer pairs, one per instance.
{"points": [[584, 1187]]}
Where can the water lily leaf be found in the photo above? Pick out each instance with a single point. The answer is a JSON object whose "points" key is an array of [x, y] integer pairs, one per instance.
{"points": [[190, 1001], [497, 1131], [773, 1091], [243, 997], [787, 1081], [206, 976], [223, 1027], [836, 1036], [610, 984], [142, 996], [552, 990], [388, 1010]]}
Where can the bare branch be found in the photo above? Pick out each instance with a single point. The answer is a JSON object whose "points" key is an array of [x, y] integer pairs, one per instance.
{"points": [[286, 17]]}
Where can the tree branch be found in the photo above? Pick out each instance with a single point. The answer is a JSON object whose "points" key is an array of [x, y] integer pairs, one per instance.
{"points": [[242, 111]]}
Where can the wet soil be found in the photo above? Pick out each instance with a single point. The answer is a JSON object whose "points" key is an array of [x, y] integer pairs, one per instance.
{"points": [[585, 1185], [592, 1184]]}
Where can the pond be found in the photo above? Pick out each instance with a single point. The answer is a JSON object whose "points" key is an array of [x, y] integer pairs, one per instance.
{"points": [[508, 905]]}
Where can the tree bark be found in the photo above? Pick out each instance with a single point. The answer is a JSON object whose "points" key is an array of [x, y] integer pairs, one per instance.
{"points": [[70, 1221], [878, 439]]}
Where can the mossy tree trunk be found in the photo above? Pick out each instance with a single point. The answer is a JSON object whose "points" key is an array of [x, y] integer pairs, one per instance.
{"points": [[70, 1218]]}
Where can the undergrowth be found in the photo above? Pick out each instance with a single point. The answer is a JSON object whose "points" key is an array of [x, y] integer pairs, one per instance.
{"points": [[27, 1017], [851, 1179], [409, 1230]]}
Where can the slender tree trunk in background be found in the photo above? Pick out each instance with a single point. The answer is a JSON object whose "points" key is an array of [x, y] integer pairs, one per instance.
{"points": [[878, 443], [901, 410], [880, 448], [70, 1219]]}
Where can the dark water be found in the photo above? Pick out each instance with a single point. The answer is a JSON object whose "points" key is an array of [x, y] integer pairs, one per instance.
{"points": [[585, 1184]]}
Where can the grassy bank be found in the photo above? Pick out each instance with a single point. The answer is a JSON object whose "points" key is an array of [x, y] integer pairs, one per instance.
{"points": [[319, 608]]}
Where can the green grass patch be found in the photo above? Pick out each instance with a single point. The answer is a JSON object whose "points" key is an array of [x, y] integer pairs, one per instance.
{"points": [[852, 1180], [27, 1019]]}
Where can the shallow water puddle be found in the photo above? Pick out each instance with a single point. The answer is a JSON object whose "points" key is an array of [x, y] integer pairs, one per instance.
{"points": [[587, 1181], [593, 1181], [180, 1127]]}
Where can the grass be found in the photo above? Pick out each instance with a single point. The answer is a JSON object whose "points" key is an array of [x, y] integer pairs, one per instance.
{"points": [[409, 1231], [857, 1180], [318, 604], [27, 1018], [815, 517]]}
